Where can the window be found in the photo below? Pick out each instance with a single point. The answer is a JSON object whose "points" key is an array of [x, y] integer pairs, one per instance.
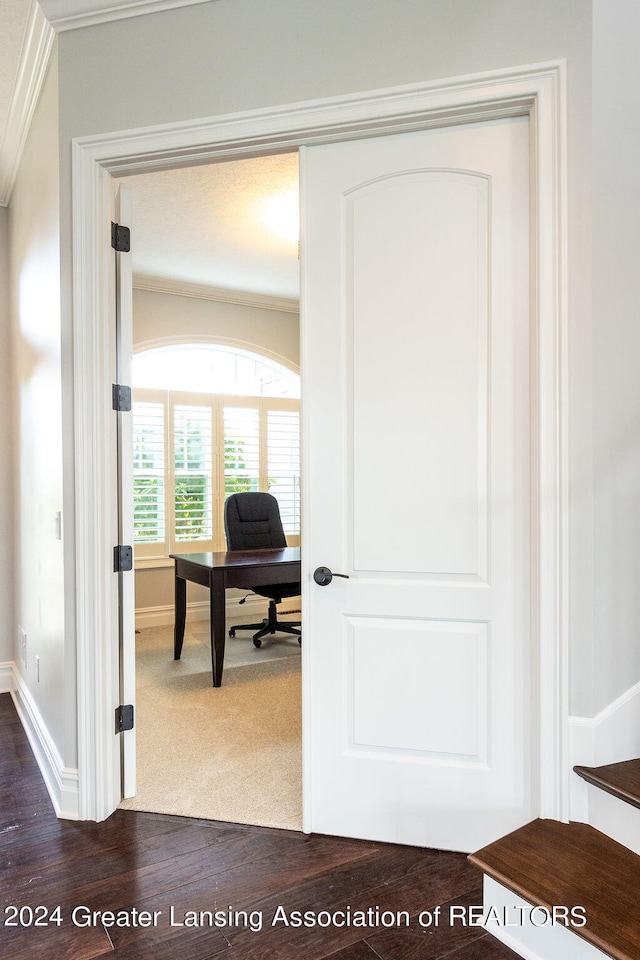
{"points": [[149, 471], [194, 447]]}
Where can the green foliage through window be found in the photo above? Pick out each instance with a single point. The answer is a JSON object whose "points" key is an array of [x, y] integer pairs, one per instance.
{"points": [[148, 518], [191, 507], [237, 476]]}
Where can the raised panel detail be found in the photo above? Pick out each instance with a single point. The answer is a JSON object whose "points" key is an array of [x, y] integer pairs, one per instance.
{"points": [[417, 290], [418, 687]]}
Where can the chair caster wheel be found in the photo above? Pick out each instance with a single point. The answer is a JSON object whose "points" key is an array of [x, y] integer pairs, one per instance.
{"points": [[232, 631], [257, 643]]}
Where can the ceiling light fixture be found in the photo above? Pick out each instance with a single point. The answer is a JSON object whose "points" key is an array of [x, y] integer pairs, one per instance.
{"points": [[281, 214]]}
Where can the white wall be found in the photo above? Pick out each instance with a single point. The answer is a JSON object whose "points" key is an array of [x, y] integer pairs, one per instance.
{"points": [[161, 316], [230, 55], [37, 559], [616, 342], [6, 619], [221, 57], [227, 56]]}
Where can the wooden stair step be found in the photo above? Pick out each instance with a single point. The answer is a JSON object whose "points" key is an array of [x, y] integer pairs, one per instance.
{"points": [[570, 864], [622, 780]]}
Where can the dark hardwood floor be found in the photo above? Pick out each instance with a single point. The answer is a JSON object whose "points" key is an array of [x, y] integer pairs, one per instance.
{"points": [[108, 879]]}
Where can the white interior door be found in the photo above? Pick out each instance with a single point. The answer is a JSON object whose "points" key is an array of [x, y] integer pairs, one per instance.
{"points": [[415, 305], [126, 591]]}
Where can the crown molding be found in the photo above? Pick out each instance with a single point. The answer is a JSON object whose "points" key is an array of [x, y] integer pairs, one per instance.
{"points": [[73, 14], [34, 60], [180, 288]]}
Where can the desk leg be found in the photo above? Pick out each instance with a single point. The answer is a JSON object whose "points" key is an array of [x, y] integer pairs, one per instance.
{"points": [[218, 626], [180, 615]]}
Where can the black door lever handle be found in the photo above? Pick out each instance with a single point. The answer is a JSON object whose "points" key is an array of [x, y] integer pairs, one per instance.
{"points": [[323, 576]]}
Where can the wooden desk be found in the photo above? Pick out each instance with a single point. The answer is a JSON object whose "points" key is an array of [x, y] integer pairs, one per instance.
{"points": [[217, 571]]}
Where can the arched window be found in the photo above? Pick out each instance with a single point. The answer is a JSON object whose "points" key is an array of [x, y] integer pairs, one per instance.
{"points": [[210, 420], [214, 368]]}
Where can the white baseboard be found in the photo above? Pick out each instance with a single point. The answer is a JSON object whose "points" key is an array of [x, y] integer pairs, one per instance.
{"points": [[60, 781], [547, 941], [610, 737], [254, 608], [164, 616], [617, 728], [6, 677]]}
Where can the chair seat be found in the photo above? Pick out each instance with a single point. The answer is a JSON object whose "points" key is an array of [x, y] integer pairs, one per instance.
{"points": [[278, 591]]}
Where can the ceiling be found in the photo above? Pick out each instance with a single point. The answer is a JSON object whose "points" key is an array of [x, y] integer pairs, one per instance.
{"points": [[212, 225], [204, 225]]}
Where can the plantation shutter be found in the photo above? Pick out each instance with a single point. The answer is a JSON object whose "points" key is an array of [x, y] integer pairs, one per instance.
{"points": [[193, 450], [192, 472], [241, 449], [149, 505], [283, 465]]}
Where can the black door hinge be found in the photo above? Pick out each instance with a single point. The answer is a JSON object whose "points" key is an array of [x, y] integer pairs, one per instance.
{"points": [[120, 238], [121, 397], [122, 558], [124, 717]]}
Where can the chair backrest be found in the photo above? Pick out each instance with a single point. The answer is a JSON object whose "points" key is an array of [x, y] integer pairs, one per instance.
{"points": [[252, 521]]}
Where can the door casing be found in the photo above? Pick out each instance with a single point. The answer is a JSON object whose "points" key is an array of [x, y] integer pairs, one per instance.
{"points": [[536, 91]]}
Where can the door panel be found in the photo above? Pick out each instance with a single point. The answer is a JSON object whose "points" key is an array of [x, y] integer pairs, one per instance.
{"points": [[438, 683], [443, 276], [415, 302]]}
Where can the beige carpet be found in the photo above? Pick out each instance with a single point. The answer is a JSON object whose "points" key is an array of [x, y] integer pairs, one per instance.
{"points": [[232, 753]]}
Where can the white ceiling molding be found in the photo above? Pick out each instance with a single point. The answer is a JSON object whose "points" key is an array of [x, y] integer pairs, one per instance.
{"points": [[72, 14], [34, 60], [180, 288]]}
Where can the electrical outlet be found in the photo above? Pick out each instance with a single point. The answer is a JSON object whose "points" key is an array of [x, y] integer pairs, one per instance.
{"points": [[22, 646], [37, 668]]}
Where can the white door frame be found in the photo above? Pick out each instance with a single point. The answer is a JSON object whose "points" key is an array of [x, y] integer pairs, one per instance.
{"points": [[537, 91]]}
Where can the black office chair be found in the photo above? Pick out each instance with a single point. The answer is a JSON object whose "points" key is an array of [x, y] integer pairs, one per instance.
{"points": [[252, 522]]}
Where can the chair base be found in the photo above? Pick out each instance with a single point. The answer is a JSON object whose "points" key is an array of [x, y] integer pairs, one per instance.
{"points": [[268, 626]]}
